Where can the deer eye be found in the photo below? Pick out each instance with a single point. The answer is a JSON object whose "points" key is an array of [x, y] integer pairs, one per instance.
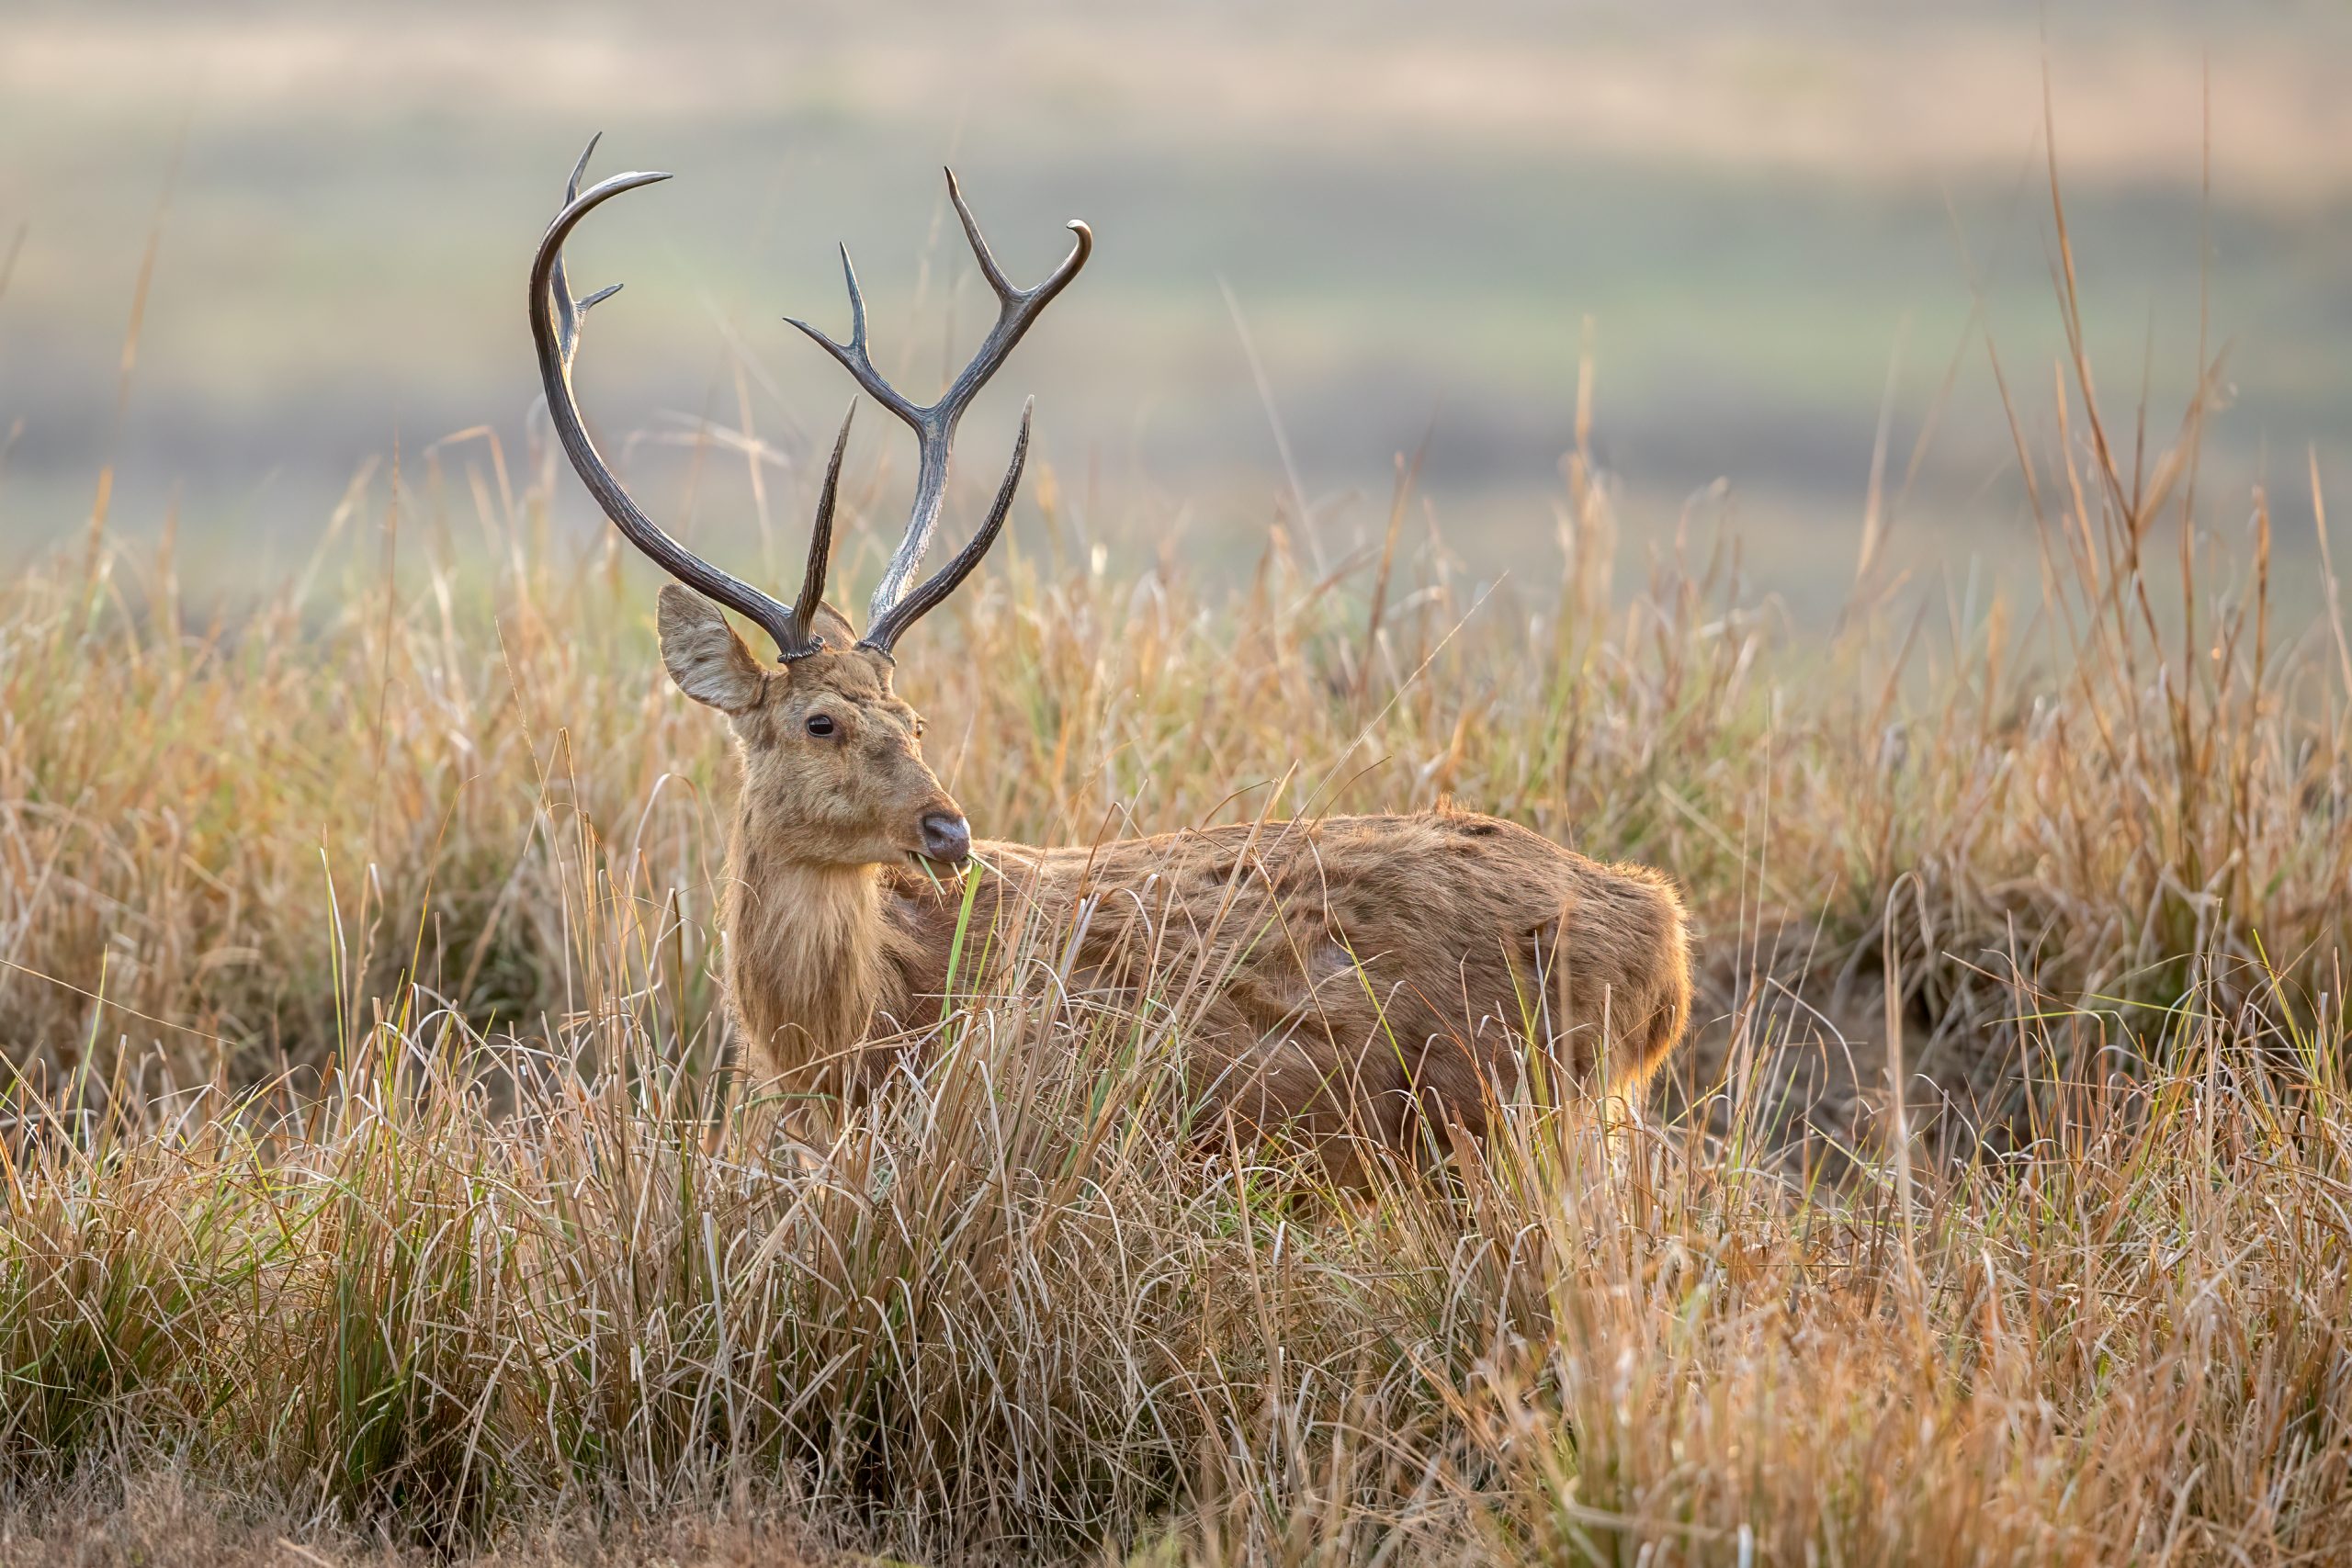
{"points": [[918, 730], [820, 725]]}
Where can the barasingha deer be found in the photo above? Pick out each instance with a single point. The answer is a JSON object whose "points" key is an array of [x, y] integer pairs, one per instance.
{"points": [[1350, 977]]}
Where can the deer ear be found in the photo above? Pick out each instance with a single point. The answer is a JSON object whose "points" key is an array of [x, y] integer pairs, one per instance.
{"points": [[703, 654], [833, 626]]}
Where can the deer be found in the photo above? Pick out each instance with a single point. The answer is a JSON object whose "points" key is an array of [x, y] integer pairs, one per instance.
{"points": [[1355, 982]]}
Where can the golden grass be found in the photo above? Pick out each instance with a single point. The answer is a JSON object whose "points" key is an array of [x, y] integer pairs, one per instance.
{"points": [[370, 1181]]}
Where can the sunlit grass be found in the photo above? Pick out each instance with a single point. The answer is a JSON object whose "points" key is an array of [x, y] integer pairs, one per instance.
{"points": [[370, 1172]]}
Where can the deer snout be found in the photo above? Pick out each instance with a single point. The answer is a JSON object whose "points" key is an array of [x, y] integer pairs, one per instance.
{"points": [[946, 836]]}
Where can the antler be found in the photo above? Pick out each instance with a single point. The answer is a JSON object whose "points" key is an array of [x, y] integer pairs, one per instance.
{"points": [[894, 608], [555, 316]]}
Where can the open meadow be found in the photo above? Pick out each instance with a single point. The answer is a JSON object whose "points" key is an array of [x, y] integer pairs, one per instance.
{"points": [[374, 1186]]}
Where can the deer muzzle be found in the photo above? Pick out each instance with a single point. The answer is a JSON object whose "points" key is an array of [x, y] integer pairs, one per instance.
{"points": [[946, 838]]}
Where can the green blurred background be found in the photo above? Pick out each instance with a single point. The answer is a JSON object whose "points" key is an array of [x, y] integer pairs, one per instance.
{"points": [[1774, 226]]}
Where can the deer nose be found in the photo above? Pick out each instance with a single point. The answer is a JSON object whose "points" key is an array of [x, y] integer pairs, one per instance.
{"points": [[946, 838]]}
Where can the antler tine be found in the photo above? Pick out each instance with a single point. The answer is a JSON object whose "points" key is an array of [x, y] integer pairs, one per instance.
{"points": [[883, 634], [820, 537], [556, 318], [1016, 308], [1005, 292], [568, 310], [853, 356], [935, 427]]}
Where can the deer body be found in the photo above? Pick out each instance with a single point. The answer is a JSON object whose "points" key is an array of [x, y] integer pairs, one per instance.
{"points": [[1343, 972], [1344, 977]]}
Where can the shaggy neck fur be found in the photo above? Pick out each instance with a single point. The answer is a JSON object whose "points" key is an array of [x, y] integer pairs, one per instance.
{"points": [[809, 961]]}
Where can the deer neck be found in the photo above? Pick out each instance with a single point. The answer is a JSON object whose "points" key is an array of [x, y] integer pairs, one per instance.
{"points": [[809, 961]]}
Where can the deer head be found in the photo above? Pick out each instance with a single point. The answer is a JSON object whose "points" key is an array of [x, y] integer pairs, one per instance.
{"points": [[832, 758]]}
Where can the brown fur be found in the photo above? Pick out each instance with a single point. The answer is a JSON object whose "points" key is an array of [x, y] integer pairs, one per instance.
{"points": [[1340, 974]]}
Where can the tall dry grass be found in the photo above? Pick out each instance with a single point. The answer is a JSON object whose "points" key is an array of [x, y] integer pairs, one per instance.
{"points": [[370, 1174], [1011, 1315]]}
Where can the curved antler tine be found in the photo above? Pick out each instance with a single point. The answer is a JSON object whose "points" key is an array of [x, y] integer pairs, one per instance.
{"points": [[568, 310], [1017, 308], [883, 634], [1010, 298], [820, 537], [555, 333], [854, 356]]}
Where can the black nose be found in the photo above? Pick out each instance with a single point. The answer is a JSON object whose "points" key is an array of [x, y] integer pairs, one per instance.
{"points": [[946, 838]]}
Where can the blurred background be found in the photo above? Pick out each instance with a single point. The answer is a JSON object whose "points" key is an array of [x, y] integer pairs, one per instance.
{"points": [[1327, 231]]}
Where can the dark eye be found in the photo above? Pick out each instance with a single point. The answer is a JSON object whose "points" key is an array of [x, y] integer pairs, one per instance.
{"points": [[820, 725], [918, 730]]}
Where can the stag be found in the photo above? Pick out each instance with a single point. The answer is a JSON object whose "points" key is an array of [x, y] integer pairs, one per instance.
{"points": [[1353, 979]]}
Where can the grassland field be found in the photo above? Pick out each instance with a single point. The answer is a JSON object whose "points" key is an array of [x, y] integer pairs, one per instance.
{"points": [[373, 1187]]}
